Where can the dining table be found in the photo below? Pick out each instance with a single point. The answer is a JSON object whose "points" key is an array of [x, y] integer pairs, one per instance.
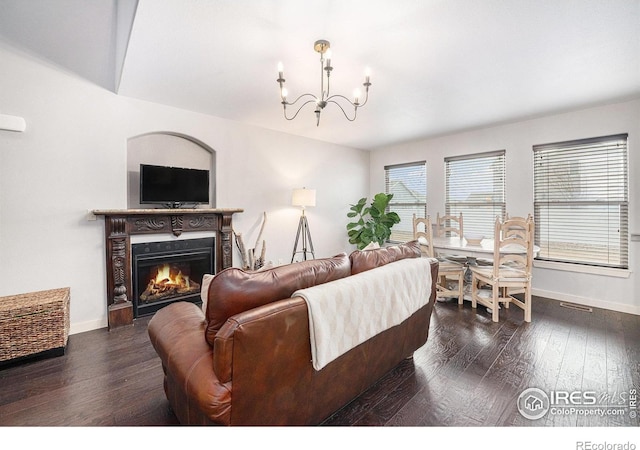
{"points": [[459, 246]]}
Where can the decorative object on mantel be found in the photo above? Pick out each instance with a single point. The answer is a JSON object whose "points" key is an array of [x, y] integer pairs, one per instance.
{"points": [[373, 222], [12, 123], [249, 259], [322, 46], [303, 197]]}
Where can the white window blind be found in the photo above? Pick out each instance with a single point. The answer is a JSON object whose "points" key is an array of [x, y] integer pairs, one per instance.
{"points": [[475, 187], [581, 201], [408, 184]]}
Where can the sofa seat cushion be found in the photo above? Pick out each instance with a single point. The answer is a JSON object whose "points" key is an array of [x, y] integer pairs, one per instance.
{"points": [[234, 290], [363, 260]]}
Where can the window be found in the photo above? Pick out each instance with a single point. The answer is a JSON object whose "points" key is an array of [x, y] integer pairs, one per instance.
{"points": [[475, 187], [581, 201], [408, 184]]}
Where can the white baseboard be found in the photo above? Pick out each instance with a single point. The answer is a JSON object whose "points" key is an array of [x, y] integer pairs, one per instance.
{"points": [[91, 325], [613, 306]]}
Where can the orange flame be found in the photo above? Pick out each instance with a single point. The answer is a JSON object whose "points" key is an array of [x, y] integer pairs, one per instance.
{"points": [[165, 277]]}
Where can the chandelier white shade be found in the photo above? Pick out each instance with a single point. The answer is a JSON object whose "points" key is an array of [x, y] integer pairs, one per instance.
{"points": [[303, 197], [324, 97]]}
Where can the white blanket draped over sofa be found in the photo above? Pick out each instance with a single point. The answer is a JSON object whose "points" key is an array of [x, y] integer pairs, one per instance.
{"points": [[346, 312]]}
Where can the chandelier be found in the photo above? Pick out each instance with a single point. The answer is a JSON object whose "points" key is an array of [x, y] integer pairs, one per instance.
{"points": [[322, 46]]}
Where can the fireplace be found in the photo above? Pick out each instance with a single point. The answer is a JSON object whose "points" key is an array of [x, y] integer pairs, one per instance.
{"points": [[167, 272], [121, 225]]}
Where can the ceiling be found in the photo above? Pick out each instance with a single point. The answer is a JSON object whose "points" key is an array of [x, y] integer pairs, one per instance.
{"points": [[437, 66]]}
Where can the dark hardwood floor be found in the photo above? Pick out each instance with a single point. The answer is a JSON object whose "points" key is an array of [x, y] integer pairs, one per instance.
{"points": [[470, 373]]}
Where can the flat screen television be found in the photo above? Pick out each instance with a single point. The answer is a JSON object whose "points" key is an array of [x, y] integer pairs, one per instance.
{"points": [[173, 187]]}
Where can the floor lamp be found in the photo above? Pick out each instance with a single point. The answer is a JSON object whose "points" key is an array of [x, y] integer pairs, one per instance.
{"points": [[303, 197]]}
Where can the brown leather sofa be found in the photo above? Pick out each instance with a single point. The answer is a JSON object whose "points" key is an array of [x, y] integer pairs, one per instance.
{"points": [[248, 360]]}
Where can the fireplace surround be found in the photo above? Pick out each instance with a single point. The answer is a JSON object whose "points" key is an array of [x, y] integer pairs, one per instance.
{"points": [[120, 225]]}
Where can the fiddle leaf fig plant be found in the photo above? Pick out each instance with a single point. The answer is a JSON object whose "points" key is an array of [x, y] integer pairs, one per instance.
{"points": [[373, 223]]}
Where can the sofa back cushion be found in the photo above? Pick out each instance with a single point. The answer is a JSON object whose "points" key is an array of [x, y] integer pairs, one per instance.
{"points": [[233, 290], [363, 260]]}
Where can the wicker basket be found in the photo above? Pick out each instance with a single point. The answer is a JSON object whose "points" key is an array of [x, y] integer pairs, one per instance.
{"points": [[33, 323]]}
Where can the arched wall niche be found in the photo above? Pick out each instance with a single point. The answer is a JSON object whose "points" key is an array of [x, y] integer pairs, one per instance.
{"points": [[167, 149]]}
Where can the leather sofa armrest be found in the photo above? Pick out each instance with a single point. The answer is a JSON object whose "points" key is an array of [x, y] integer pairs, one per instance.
{"points": [[224, 340], [175, 327], [265, 353], [177, 333]]}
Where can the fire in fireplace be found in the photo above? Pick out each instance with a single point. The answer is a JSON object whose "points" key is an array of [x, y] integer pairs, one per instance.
{"points": [[166, 272], [168, 282]]}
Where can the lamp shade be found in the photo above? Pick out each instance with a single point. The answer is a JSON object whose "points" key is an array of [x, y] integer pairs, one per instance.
{"points": [[303, 197]]}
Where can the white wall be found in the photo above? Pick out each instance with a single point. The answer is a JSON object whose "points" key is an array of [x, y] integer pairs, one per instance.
{"points": [[612, 292], [73, 158]]}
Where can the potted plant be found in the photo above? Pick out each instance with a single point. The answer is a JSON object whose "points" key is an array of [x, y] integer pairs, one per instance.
{"points": [[373, 222]]}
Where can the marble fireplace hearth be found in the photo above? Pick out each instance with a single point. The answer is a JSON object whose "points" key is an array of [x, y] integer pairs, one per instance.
{"points": [[121, 224]]}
